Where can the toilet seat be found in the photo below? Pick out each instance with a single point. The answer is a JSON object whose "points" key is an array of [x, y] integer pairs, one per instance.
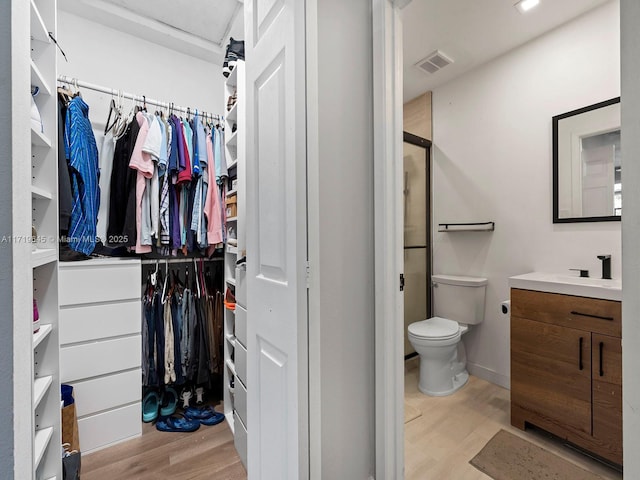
{"points": [[435, 328]]}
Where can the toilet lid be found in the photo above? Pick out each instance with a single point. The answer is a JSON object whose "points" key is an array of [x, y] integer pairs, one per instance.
{"points": [[435, 327]]}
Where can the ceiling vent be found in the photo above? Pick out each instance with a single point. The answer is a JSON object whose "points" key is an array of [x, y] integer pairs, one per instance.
{"points": [[434, 62]]}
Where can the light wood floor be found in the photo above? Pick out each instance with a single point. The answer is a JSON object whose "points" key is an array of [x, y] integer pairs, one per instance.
{"points": [[201, 455], [441, 436], [449, 431]]}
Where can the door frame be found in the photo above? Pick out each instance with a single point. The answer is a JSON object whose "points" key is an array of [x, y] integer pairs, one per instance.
{"points": [[388, 238]]}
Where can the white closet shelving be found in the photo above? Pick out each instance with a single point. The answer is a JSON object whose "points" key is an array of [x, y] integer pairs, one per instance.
{"points": [[235, 351], [46, 438]]}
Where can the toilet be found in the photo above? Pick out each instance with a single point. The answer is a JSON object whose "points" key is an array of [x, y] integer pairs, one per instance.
{"points": [[458, 303]]}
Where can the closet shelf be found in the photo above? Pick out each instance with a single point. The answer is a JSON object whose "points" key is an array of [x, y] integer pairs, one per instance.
{"points": [[42, 439], [232, 164], [42, 256], [37, 79], [231, 339], [231, 193], [229, 418], [232, 219], [39, 30], [467, 227], [39, 139], [40, 387], [231, 367], [232, 115], [41, 335], [233, 138], [231, 281], [232, 79], [41, 193], [232, 249]]}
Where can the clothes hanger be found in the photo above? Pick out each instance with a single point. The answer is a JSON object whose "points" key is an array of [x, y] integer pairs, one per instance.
{"points": [[166, 281], [121, 124], [195, 276], [64, 91], [203, 285], [77, 88], [154, 276], [116, 115]]}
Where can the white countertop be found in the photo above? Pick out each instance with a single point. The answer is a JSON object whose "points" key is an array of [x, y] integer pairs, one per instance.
{"points": [[569, 285]]}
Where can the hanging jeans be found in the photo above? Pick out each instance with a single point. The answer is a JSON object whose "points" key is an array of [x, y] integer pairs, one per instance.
{"points": [[149, 315], [158, 317]]}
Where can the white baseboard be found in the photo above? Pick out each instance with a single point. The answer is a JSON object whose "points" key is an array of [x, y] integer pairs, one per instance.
{"points": [[489, 375]]}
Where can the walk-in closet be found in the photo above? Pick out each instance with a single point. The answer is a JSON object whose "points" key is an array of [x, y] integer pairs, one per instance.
{"points": [[137, 252]]}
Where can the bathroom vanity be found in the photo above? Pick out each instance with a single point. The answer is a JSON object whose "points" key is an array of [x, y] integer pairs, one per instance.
{"points": [[566, 359]]}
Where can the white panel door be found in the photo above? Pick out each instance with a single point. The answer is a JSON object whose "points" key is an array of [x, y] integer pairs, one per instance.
{"points": [[277, 309], [598, 181]]}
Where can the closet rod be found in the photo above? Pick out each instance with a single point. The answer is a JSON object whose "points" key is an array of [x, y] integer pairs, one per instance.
{"points": [[136, 98], [177, 260]]}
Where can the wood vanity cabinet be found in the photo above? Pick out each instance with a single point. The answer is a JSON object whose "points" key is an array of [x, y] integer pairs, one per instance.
{"points": [[566, 368]]}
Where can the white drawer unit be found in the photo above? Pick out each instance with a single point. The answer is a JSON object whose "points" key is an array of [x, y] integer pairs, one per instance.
{"points": [[105, 429], [235, 322], [241, 325], [241, 362], [93, 322], [240, 439], [94, 359], [241, 286], [101, 347], [104, 393], [99, 281], [240, 400]]}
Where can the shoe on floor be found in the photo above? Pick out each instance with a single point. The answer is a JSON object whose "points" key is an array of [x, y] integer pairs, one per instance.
{"points": [[177, 423], [205, 415], [150, 405], [169, 402]]}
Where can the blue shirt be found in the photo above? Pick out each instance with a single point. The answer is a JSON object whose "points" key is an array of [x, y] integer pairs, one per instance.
{"points": [[81, 151]]}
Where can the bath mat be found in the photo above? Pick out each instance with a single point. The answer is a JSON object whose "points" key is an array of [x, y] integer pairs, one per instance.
{"points": [[507, 457], [411, 413]]}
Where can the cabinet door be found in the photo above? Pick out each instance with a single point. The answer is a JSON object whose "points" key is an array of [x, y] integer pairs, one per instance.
{"points": [[607, 393], [551, 372]]}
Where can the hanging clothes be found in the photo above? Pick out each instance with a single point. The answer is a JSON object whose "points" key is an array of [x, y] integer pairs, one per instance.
{"points": [[121, 229], [107, 151], [212, 207], [82, 153], [183, 328], [141, 161], [65, 197]]}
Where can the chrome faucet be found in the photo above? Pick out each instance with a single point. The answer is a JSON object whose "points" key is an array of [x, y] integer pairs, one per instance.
{"points": [[606, 266]]}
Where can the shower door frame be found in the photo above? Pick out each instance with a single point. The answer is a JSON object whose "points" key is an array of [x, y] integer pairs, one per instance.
{"points": [[426, 144]]}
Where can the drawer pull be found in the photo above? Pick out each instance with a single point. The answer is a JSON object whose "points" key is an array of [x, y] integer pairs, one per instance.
{"points": [[601, 349], [573, 312], [580, 365]]}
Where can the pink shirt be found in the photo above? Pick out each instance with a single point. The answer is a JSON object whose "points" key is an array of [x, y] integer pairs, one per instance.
{"points": [[212, 202], [141, 161]]}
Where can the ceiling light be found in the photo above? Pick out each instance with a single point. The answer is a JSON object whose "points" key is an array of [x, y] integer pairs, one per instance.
{"points": [[526, 5]]}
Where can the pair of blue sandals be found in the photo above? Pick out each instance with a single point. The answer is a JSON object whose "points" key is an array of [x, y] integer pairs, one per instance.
{"points": [[162, 409]]}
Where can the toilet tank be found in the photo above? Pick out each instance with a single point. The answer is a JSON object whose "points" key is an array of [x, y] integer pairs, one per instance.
{"points": [[459, 298]]}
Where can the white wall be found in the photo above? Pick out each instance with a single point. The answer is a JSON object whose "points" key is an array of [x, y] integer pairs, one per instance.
{"points": [[630, 19], [110, 58], [493, 162], [341, 240]]}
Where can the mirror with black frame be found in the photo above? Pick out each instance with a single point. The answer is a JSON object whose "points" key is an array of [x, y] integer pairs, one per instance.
{"points": [[587, 181]]}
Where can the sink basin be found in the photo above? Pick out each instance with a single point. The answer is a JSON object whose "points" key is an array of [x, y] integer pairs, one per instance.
{"points": [[569, 285], [595, 282]]}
